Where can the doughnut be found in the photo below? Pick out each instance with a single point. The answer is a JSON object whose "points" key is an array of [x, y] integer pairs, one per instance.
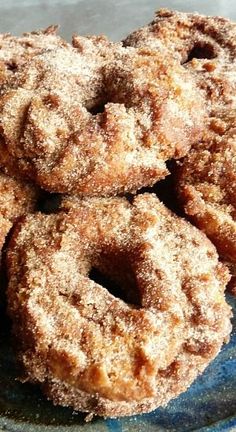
{"points": [[98, 119], [16, 199], [206, 184], [204, 45], [96, 352]]}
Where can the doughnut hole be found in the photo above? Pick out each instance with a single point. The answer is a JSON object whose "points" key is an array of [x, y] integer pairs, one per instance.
{"points": [[200, 50], [114, 271], [116, 287], [97, 109]]}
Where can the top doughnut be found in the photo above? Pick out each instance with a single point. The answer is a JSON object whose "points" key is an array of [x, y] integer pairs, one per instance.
{"points": [[99, 119]]}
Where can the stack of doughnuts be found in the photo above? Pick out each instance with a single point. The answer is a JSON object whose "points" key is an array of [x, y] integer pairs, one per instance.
{"points": [[95, 121], [206, 179]]}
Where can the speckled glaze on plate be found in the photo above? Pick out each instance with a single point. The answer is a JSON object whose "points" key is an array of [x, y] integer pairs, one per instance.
{"points": [[209, 405]]}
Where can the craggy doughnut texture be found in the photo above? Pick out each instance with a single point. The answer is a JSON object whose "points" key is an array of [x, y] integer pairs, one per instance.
{"points": [[206, 185], [14, 53], [232, 283], [51, 124], [91, 350], [204, 45], [16, 199]]}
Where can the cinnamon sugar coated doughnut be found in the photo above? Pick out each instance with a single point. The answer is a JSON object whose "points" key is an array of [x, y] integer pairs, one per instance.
{"points": [[98, 119], [204, 45], [91, 350], [16, 199]]}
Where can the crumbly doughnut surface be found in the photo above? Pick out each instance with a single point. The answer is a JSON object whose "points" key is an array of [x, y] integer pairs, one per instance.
{"points": [[16, 51], [204, 45], [207, 185], [98, 119], [91, 350], [16, 199]]}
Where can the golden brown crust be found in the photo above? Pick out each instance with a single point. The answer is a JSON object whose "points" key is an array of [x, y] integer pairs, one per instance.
{"points": [[70, 329], [15, 52], [207, 185], [206, 47], [17, 198], [152, 112], [231, 287]]}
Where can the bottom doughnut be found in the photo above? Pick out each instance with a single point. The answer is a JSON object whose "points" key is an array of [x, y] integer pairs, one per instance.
{"points": [[91, 350]]}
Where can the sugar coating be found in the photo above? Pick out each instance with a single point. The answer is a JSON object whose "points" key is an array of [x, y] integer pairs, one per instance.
{"points": [[206, 184], [91, 350], [204, 45], [16, 199], [15, 52]]}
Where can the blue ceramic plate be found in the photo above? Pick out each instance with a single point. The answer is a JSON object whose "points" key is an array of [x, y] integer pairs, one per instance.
{"points": [[210, 404]]}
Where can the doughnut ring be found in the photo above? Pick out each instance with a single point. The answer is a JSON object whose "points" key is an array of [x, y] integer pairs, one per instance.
{"points": [[16, 199], [206, 184], [98, 119], [206, 46], [91, 350]]}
